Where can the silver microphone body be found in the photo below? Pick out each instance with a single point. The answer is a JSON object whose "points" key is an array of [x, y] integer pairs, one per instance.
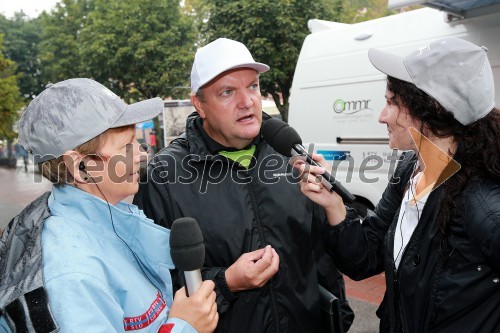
{"points": [[193, 281]]}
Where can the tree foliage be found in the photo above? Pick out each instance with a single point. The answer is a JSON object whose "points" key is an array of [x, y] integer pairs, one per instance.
{"points": [[140, 48], [60, 48], [21, 39], [364, 10], [10, 98]]}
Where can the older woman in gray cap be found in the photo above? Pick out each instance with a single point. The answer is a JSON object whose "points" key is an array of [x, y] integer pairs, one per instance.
{"points": [[92, 263], [436, 230]]}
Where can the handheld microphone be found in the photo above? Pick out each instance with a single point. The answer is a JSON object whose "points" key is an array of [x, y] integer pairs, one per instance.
{"points": [[286, 141], [188, 251]]}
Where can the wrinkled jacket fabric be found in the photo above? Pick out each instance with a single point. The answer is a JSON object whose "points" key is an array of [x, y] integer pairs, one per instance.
{"points": [[443, 283], [104, 274], [241, 210]]}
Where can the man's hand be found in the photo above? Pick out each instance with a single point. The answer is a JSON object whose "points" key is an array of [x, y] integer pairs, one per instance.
{"points": [[199, 310], [252, 269]]}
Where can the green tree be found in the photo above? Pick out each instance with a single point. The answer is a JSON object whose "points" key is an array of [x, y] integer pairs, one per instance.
{"points": [[364, 10], [273, 31], [10, 98], [21, 40], [60, 50], [140, 49]]}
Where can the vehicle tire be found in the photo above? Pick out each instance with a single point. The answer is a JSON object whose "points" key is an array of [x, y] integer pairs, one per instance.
{"points": [[361, 205]]}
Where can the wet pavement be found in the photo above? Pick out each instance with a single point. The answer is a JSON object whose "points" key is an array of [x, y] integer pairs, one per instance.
{"points": [[19, 188]]}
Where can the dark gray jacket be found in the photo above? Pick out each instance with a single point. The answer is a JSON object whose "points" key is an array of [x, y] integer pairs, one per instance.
{"points": [[23, 299]]}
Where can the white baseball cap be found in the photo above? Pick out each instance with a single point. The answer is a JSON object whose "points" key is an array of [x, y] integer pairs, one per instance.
{"points": [[219, 56], [453, 71]]}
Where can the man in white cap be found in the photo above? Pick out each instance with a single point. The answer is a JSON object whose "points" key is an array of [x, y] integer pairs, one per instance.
{"points": [[261, 235]]}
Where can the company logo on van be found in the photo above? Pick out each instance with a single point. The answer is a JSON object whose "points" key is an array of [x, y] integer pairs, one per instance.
{"points": [[350, 107]]}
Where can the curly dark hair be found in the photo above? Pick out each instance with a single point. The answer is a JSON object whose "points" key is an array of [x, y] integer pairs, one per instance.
{"points": [[478, 148]]}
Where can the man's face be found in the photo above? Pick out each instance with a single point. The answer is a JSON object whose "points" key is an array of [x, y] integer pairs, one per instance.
{"points": [[231, 108]]}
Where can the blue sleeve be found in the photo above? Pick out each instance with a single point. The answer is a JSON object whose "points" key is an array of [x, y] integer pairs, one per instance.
{"points": [[179, 326], [4, 327]]}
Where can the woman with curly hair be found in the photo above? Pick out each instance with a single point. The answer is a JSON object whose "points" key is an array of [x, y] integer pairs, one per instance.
{"points": [[436, 230]]}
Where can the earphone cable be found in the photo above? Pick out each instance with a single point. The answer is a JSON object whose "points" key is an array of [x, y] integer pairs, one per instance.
{"points": [[402, 217], [125, 243]]}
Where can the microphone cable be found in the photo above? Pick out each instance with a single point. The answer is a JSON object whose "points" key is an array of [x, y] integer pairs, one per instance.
{"points": [[123, 241]]}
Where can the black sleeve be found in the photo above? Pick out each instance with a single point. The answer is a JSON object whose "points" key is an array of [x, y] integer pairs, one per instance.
{"points": [[357, 245], [481, 213], [328, 275]]}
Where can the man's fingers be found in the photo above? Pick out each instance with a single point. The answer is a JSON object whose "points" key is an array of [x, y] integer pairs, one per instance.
{"points": [[275, 262], [264, 261], [273, 266], [254, 255]]}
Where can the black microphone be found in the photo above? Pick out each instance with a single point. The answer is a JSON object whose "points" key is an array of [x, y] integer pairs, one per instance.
{"points": [[286, 141], [188, 251]]}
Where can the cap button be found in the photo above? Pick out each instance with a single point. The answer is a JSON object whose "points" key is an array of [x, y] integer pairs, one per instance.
{"points": [[49, 85], [484, 48]]}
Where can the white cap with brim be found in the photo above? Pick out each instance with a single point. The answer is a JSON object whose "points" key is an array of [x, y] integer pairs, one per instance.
{"points": [[453, 71], [218, 57], [69, 113]]}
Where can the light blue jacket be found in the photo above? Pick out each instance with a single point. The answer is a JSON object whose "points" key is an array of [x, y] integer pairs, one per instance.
{"points": [[92, 266]]}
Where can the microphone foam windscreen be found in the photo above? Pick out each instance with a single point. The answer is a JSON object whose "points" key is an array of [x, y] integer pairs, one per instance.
{"points": [[280, 136], [186, 244]]}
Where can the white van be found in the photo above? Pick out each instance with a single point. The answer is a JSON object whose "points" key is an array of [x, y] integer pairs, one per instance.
{"points": [[337, 95]]}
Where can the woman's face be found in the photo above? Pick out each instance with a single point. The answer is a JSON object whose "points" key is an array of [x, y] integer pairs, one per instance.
{"points": [[116, 174], [398, 121]]}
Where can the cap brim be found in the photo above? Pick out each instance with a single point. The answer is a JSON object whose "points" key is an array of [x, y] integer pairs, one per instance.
{"points": [[258, 66], [389, 64], [139, 112]]}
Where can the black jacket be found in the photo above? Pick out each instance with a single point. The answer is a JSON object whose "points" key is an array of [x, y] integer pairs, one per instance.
{"points": [[240, 210], [444, 283]]}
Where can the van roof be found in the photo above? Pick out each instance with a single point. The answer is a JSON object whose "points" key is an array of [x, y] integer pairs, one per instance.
{"points": [[462, 9]]}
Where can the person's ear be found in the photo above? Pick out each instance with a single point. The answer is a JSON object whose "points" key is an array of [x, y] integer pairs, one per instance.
{"points": [[198, 105], [75, 165]]}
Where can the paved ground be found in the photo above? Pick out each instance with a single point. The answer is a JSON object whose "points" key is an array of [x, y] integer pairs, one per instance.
{"points": [[18, 188], [364, 298]]}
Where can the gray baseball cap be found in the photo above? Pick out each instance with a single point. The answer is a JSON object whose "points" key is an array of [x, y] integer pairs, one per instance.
{"points": [[69, 113], [453, 71]]}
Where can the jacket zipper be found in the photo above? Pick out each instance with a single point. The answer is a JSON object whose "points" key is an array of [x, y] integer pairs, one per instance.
{"points": [[261, 233], [418, 230]]}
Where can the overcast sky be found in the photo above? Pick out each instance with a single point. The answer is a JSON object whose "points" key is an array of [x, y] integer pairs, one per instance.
{"points": [[32, 8]]}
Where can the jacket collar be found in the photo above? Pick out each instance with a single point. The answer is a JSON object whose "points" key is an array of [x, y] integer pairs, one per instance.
{"points": [[149, 241]]}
